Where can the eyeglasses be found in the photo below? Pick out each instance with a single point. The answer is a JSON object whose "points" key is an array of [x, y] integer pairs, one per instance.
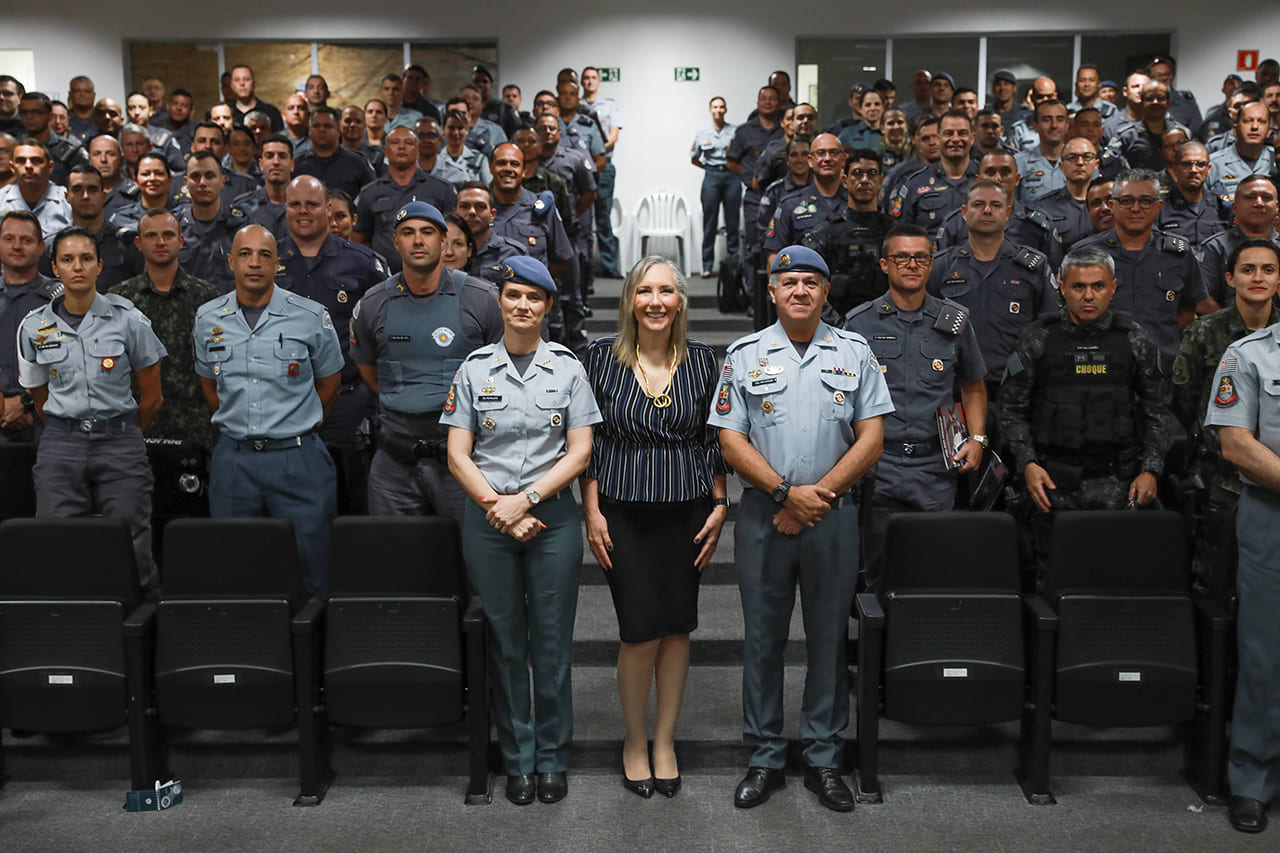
{"points": [[1154, 98], [827, 154], [1086, 157], [1128, 201], [1194, 164], [858, 174], [903, 260]]}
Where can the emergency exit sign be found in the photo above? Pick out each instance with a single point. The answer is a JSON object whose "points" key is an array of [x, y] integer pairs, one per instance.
{"points": [[1247, 60], [610, 75], [688, 75]]}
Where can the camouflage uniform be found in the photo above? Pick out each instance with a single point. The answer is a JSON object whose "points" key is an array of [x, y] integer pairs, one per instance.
{"points": [[185, 413], [1217, 484], [850, 244], [1091, 454]]}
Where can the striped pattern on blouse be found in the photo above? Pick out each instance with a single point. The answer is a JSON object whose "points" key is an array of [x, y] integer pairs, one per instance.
{"points": [[643, 453]]}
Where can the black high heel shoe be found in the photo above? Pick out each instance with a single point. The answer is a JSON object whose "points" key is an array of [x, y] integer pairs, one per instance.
{"points": [[666, 787], [641, 788]]}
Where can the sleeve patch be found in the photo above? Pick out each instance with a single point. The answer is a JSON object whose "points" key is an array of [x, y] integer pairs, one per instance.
{"points": [[1226, 393]]}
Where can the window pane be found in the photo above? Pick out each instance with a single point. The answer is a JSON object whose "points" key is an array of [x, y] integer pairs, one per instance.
{"points": [[956, 55], [1029, 57], [181, 65], [450, 67], [354, 71], [1117, 55], [840, 64], [279, 68]]}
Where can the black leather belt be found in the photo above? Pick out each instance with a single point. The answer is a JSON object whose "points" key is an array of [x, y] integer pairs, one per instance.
{"points": [[119, 423], [261, 445], [912, 448]]}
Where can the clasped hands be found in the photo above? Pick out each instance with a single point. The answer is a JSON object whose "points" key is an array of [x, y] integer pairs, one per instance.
{"points": [[510, 514], [805, 507]]}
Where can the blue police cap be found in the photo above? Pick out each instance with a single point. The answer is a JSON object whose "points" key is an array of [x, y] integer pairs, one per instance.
{"points": [[799, 259], [422, 210], [530, 271], [1004, 75], [1108, 84]]}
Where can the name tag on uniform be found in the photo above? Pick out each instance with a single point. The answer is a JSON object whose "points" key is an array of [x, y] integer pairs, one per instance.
{"points": [[49, 345], [217, 349], [402, 339], [490, 398], [769, 380]]}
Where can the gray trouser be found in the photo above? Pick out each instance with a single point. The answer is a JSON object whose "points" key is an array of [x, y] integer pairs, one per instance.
{"points": [[426, 488], [81, 473], [823, 559]]}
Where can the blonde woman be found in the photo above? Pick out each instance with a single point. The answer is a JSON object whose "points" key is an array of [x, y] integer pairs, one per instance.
{"points": [[655, 503]]}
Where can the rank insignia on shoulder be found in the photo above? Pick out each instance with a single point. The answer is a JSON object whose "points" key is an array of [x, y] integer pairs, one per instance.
{"points": [[237, 213], [1226, 393]]}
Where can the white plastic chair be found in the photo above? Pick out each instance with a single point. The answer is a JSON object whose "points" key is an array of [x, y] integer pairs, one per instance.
{"points": [[663, 214]]}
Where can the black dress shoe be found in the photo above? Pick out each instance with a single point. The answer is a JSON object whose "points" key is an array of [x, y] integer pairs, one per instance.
{"points": [[521, 788], [1247, 815], [666, 787], [831, 790], [641, 788], [757, 785], [553, 786]]}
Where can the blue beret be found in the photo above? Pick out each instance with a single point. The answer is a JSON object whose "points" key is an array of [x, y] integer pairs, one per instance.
{"points": [[799, 259], [525, 270], [422, 210], [1108, 84]]}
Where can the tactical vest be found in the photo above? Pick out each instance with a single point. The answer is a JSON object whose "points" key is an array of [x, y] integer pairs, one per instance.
{"points": [[1083, 401], [856, 276], [424, 347]]}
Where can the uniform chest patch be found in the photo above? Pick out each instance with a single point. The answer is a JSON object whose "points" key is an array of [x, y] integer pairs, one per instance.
{"points": [[1226, 395], [443, 336]]}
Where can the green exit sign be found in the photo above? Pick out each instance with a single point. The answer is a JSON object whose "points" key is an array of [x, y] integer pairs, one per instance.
{"points": [[688, 75], [610, 75]]}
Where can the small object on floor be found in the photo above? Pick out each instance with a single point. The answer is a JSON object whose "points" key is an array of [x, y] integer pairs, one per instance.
{"points": [[521, 788], [553, 786], [756, 787], [831, 790], [166, 795], [1247, 815], [667, 787], [706, 273], [641, 788]]}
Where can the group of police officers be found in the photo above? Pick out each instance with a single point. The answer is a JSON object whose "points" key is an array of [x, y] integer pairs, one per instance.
{"points": [[892, 291]]}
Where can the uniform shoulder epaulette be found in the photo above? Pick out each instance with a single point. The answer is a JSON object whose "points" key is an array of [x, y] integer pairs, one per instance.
{"points": [[50, 289], [560, 349], [217, 303], [1186, 93], [305, 303], [480, 352], [1039, 218], [1029, 258], [953, 318], [479, 284], [744, 340], [117, 300], [1254, 337], [1174, 244], [860, 309]]}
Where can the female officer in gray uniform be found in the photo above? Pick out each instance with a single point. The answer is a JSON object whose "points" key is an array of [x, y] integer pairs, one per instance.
{"points": [[520, 414], [78, 355]]}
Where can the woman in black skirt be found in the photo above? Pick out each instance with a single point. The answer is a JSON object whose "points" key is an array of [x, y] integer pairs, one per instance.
{"points": [[654, 501]]}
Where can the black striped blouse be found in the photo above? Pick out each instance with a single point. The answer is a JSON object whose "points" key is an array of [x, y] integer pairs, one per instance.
{"points": [[643, 453]]}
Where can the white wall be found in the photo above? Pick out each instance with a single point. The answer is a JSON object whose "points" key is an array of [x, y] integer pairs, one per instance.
{"points": [[727, 40]]}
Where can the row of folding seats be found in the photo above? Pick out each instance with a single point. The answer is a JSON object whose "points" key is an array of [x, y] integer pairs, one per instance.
{"points": [[232, 643], [1112, 638]]}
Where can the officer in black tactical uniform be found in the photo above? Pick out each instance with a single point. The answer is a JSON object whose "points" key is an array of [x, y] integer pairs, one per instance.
{"points": [[850, 241], [1084, 406]]}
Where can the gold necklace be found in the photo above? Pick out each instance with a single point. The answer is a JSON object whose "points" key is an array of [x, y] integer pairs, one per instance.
{"points": [[662, 399]]}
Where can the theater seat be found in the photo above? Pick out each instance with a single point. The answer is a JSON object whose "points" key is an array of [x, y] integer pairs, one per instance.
{"points": [[68, 588], [1115, 640], [236, 645], [404, 642], [944, 645], [17, 486]]}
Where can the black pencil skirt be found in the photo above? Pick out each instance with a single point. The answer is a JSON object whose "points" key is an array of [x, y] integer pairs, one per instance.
{"points": [[654, 581]]}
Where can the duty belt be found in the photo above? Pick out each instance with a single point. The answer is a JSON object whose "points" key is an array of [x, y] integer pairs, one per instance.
{"points": [[913, 448], [260, 445], [119, 423], [410, 450]]}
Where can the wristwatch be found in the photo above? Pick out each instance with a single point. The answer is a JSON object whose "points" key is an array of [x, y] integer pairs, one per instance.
{"points": [[532, 496], [28, 402], [981, 439], [780, 492], [724, 502]]}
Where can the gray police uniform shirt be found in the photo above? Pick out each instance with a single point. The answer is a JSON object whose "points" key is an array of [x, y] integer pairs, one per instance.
{"points": [[584, 134], [1069, 217], [799, 412], [1213, 261], [520, 423], [204, 254], [52, 209], [920, 362], [1040, 175], [381, 200], [89, 369], [266, 375], [711, 147], [802, 210], [1227, 169], [929, 195], [1105, 108], [533, 222], [1003, 296], [1245, 393], [476, 320], [1154, 284]]}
